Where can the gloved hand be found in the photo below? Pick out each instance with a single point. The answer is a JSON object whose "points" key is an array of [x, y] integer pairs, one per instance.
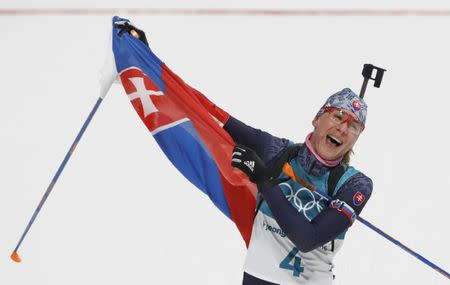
{"points": [[246, 160], [125, 26]]}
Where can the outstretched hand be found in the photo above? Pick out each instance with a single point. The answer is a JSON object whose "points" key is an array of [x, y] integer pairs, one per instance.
{"points": [[125, 26]]}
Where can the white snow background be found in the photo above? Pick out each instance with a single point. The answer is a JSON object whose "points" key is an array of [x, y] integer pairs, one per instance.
{"points": [[122, 214]]}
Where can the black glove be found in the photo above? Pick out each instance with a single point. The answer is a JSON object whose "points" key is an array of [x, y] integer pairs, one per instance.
{"points": [[246, 160], [127, 27]]}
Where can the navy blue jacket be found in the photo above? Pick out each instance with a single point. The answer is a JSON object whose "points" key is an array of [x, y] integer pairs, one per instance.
{"points": [[329, 223]]}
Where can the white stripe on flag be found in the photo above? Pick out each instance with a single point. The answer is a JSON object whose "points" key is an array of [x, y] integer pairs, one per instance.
{"points": [[131, 67], [168, 126]]}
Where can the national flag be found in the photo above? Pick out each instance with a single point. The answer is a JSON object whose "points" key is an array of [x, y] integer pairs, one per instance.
{"points": [[187, 126]]}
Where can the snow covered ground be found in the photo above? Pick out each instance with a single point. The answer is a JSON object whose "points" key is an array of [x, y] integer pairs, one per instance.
{"points": [[121, 213]]}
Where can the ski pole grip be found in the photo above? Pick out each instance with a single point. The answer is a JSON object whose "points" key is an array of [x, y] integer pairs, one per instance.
{"points": [[368, 71]]}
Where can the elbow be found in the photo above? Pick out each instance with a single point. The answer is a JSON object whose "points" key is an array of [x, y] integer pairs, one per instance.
{"points": [[304, 245], [304, 240]]}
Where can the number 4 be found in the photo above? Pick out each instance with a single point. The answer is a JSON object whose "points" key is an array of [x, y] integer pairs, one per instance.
{"points": [[292, 262]]}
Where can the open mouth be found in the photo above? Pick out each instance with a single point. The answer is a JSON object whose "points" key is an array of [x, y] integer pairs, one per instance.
{"points": [[334, 140]]}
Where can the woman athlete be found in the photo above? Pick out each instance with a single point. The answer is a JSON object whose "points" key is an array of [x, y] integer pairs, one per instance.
{"points": [[296, 232]]}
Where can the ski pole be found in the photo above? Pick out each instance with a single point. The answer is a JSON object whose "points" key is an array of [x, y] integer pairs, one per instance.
{"points": [[404, 247], [15, 256], [287, 169], [395, 241]]}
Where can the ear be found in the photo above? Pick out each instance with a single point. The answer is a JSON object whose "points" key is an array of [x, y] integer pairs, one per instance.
{"points": [[315, 121]]}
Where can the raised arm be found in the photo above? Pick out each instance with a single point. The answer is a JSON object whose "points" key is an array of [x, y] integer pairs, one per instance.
{"points": [[264, 144]]}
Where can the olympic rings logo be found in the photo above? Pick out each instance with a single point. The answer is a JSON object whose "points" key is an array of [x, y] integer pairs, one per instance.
{"points": [[302, 207]]}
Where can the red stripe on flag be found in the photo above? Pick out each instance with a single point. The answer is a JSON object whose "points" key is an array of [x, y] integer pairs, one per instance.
{"points": [[239, 191]]}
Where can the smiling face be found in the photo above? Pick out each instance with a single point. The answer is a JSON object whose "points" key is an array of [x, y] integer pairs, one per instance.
{"points": [[335, 133]]}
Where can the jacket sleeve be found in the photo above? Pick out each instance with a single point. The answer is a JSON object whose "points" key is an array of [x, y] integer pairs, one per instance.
{"points": [[329, 223], [264, 144]]}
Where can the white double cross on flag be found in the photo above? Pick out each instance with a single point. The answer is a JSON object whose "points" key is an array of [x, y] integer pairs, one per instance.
{"points": [[144, 94]]}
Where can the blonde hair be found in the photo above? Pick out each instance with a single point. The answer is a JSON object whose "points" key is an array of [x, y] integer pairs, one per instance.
{"points": [[347, 156]]}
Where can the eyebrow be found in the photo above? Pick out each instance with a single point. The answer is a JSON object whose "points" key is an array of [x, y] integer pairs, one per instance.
{"points": [[353, 115]]}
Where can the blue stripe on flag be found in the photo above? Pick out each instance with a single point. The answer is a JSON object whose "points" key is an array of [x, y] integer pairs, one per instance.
{"points": [[197, 165]]}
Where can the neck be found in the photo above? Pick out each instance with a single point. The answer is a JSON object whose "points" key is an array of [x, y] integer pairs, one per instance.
{"points": [[329, 163]]}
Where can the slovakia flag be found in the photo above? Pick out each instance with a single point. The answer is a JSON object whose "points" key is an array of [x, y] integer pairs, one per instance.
{"points": [[186, 125]]}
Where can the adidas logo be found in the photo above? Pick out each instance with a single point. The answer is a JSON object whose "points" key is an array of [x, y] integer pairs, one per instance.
{"points": [[250, 164]]}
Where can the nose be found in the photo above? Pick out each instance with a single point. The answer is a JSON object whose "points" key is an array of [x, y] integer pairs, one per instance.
{"points": [[343, 126]]}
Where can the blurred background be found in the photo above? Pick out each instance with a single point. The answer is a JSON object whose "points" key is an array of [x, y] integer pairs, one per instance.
{"points": [[121, 213]]}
